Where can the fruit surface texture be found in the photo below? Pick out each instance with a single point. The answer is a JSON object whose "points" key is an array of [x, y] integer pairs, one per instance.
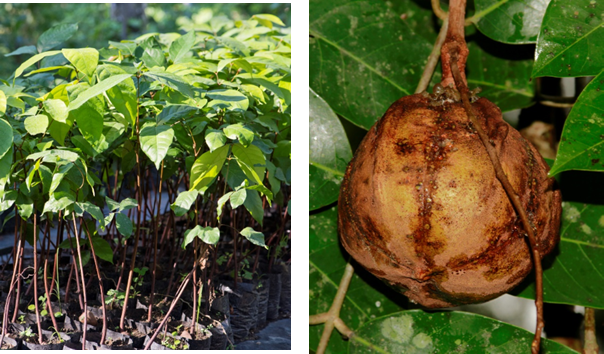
{"points": [[421, 208]]}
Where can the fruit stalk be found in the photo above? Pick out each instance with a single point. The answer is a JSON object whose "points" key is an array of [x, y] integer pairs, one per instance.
{"points": [[455, 41]]}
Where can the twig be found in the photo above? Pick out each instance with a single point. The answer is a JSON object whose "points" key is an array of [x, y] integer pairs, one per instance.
{"points": [[433, 58], [438, 11], [331, 318], [591, 344], [557, 104]]}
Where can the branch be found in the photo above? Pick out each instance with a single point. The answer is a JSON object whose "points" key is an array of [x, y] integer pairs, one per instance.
{"points": [[433, 58]]}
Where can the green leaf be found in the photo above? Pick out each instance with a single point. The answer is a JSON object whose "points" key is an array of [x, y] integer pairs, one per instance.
{"points": [[54, 155], [58, 177], [31, 61], [2, 103], [575, 274], [208, 235], [235, 45], [6, 143], [239, 131], [124, 224], [155, 141], [228, 98], [8, 199], [128, 203], [330, 153], [97, 90], [417, 331], [102, 248], [36, 124], [215, 139], [569, 40], [93, 210], [55, 205], [255, 237], [183, 202], [112, 204], [221, 202], [153, 54], [582, 143], [85, 60], [247, 159], [181, 47], [238, 198], [57, 110], [253, 204], [5, 164], [267, 20], [513, 21], [123, 95], [207, 167], [55, 36], [171, 80], [28, 49], [175, 112]]}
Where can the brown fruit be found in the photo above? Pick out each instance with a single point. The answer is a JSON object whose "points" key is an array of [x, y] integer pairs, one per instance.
{"points": [[421, 208]]}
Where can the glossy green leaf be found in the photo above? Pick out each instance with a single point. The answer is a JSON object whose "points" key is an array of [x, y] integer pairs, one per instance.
{"points": [[96, 90], [503, 82], [7, 199], [228, 98], [510, 21], [128, 203], [58, 177], [364, 57], [6, 131], [31, 61], [155, 141], [270, 18], [582, 143], [56, 35], [57, 110], [122, 95], [207, 167], [36, 124], [575, 273], [221, 202], [2, 103], [208, 235], [55, 205], [171, 80], [417, 331], [255, 237], [89, 115], [253, 204], [330, 153], [54, 156], [84, 60], [28, 49], [215, 139], [124, 224], [112, 204], [181, 47], [569, 40], [174, 112], [102, 248], [238, 198], [91, 209], [239, 131], [5, 166], [153, 54], [252, 161], [183, 202]]}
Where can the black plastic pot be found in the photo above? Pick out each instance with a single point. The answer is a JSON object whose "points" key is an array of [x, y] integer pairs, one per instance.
{"points": [[118, 341], [158, 346], [201, 344], [145, 327], [221, 304], [220, 338], [76, 326], [263, 289], [12, 343], [245, 309], [274, 296], [46, 335], [285, 300]]}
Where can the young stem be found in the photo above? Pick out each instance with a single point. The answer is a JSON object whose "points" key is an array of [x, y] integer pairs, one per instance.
{"points": [[155, 229], [455, 41], [77, 237], [40, 338], [512, 195], [98, 274], [433, 59], [46, 288], [591, 343]]}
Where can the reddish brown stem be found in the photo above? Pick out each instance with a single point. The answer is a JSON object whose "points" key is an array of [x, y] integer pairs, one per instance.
{"points": [[455, 41], [591, 343]]}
